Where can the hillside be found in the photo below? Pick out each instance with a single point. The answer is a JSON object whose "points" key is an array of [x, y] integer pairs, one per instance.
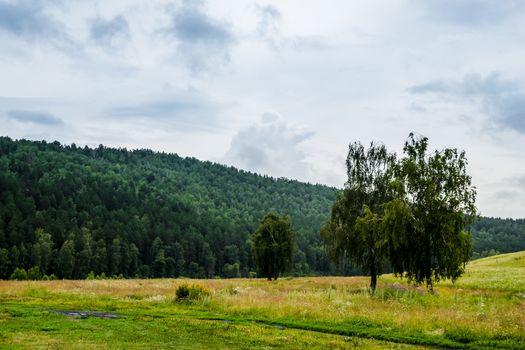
{"points": [[143, 213], [71, 210], [494, 236], [504, 271]]}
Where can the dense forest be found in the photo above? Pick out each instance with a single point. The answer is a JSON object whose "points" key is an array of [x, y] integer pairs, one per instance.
{"points": [[69, 211], [493, 236]]}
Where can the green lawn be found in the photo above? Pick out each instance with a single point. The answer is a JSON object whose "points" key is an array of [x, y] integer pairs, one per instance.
{"points": [[484, 309]]}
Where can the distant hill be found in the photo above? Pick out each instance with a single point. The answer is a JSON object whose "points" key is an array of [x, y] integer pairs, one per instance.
{"points": [[71, 210], [493, 236]]}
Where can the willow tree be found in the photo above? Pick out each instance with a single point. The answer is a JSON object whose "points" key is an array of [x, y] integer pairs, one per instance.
{"points": [[354, 232], [273, 246]]}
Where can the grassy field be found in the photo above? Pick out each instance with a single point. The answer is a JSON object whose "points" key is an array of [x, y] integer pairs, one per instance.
{"points": [[484, 309]]}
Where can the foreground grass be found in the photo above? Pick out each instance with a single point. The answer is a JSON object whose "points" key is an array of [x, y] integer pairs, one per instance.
{"points": [[28, 319], [479, 311]]}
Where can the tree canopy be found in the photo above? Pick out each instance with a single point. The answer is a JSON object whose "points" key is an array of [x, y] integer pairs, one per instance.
{"points": [[273, 246]]}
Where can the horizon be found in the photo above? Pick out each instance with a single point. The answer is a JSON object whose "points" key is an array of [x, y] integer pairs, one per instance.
{"points": [[275, 88]]}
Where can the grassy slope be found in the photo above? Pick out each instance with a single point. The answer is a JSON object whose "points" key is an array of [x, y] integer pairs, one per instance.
{"points": [[504, 272], [484, 309]]}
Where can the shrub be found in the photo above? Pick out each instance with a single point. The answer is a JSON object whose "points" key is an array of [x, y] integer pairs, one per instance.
{"points": [[90, 275], [193, 292], [231, 270], [53, 277], [19, 274], [33, 273]]}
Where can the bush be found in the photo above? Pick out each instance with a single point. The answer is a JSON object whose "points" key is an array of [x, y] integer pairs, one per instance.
{"points": [[193, 292], [19, 274], [90, 276], [34, 273], [53, 277], [231, 270]]}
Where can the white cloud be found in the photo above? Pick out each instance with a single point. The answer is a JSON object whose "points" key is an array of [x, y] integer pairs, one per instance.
{"points": [[271, 147]]}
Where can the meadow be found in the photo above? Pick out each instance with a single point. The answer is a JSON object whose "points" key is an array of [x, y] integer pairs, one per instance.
{"points": [[484, 309]]}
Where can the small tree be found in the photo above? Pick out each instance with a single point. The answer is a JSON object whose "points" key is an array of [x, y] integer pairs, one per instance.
{"points": [[273, 246], [66, 260]]}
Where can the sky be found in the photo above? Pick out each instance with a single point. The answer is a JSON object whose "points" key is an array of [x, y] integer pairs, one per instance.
{"points": [[275, 87]]}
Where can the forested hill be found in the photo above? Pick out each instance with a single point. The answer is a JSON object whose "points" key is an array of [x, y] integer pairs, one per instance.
{"points": [[71, 210], [493, 236]]}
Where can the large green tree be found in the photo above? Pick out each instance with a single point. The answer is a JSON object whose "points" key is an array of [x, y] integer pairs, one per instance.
{"points": [[273, 245], [426, 222], [353, 232], [411, 213]]}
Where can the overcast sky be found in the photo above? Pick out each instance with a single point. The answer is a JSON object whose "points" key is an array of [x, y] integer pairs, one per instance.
{"points": [[280, 87]]}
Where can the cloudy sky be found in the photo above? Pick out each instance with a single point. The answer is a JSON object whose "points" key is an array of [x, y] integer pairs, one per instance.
{"points": [[278, 87]]}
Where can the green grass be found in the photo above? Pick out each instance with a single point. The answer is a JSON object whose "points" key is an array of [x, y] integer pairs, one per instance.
{"points": [[485, 309], [31, 326], [504, 272]]}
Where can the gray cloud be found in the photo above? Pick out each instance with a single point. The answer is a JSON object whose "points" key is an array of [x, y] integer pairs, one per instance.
{"points": [[269, 23], [109, 33], [27, 20], [505, 195], [432, 86], [200, 38], [417, 108], [471, 85], [269, 30], [271, 147], [502, 100], [517, 181], [158, 108], [34, 117], [471, 12], [185, 110]]}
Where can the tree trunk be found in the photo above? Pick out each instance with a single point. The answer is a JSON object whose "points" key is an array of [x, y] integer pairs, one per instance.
{"points": [[373, 277]]}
